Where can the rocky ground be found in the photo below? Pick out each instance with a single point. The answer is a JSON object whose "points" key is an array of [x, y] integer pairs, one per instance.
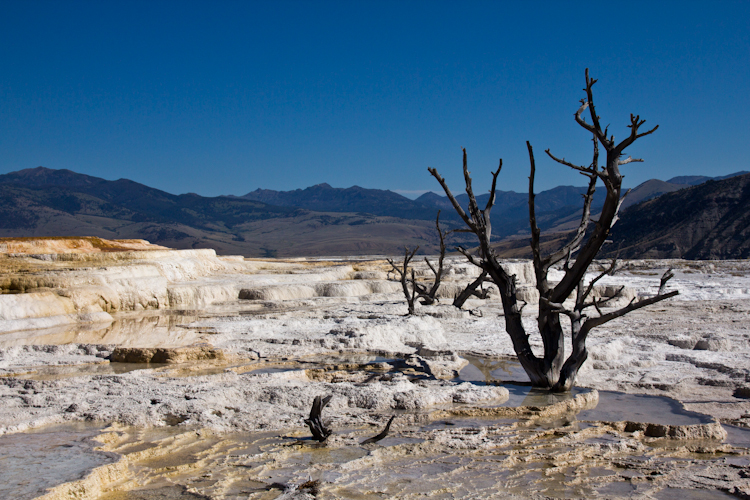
{"points": [[204, 368]]}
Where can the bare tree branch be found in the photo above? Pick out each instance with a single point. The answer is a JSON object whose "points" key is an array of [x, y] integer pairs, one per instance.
{"points": [[470, 290], [539, 271], [608, 271], [473, 207], [603, 302], [602, 136], [594, 322], [429, 264], [635, 124], [522, 305], [454, 202], [471, 258], [629, 160], [582, 121], [557, 307], [491, 200], [572, 246], [617, 211], [584, 170], [595, 128]]}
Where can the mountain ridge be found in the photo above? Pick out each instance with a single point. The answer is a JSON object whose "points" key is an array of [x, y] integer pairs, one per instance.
{"points": [[324, 198], [706, 221], [47, 202]]}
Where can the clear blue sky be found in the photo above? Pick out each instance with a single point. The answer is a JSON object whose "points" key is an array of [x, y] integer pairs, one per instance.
{"points": [[225, 97]]}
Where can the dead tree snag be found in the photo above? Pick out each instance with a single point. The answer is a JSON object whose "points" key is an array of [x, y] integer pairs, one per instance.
{"points": [[315, 422], [552, 369], [429, 297], [403, 274]]}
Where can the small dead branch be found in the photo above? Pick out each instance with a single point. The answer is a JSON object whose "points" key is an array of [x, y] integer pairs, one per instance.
{"points": [[668, 275], [315, 422], [382, 435], [581, 297], [311, 486]]}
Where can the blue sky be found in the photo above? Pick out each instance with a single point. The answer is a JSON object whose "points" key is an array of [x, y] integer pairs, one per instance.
{"points": [[226, 97]]}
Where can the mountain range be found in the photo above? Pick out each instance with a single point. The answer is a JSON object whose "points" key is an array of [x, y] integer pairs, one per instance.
{"points": [[46, 202], [710, 220], [554, 206], [319, 220]]}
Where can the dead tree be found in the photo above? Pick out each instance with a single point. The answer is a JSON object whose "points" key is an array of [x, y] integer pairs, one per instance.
{"points": [[471, 290], [403, 274], [315, 422], [429, 297], [552, 370]]}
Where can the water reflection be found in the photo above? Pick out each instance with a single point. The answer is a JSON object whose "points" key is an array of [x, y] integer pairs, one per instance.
{"points": [[612, 407], [616, 406], [157, 329], [492, 369], [59, 372], [39, 459]]}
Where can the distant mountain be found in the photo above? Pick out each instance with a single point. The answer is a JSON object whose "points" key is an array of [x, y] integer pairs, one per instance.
{"points": [[650, 189], [553, 206], [557, 209], [503, 199], [431, 199], [510, 214], [322, 220], [70, 192], [694, 180], [654, 187], [45, 202], [707, 221], [324, 198], [561, 202], [510, 201]]}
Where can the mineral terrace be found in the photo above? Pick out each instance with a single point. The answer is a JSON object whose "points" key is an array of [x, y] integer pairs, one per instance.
{"points": [[130, 371]]}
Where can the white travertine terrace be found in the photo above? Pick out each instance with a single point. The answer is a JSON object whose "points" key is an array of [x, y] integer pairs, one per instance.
{"points": [[286, 331]]}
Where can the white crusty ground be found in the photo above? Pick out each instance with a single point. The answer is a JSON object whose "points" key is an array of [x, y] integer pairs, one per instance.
{"points": [[693, 348]]}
